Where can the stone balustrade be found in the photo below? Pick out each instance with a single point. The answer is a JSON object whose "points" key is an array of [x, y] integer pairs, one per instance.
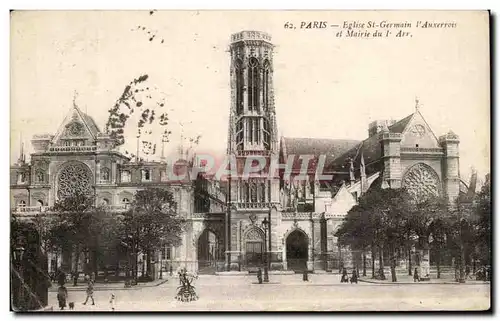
{"points": [[65, 149]]}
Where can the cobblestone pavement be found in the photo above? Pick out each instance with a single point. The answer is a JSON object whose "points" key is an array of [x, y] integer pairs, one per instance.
{"points": [[290, 293]]}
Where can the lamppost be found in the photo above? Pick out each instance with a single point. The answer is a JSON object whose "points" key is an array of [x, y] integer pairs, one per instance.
{"points": [[265, 225], [18, 257]]}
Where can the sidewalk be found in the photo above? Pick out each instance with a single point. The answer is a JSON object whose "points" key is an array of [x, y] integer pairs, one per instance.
{"points": [[111, 285], [408, 279]]}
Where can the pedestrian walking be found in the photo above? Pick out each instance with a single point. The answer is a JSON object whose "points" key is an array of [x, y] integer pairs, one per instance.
{"points": [[416, 278], [345, 277], [112, 302], [259, 276], [305, 276], [62, 296], [90, 290]]}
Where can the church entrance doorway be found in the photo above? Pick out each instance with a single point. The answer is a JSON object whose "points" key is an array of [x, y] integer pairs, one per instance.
{"points": [[254, 249], [296, 251]]}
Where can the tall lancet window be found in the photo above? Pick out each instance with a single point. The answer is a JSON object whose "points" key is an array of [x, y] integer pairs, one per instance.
{"points": [[239, 135], [265, 85], [267, 135], [253, 84], [240, 83]]}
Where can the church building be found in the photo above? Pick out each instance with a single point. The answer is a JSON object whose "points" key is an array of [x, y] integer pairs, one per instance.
{"points": [[242, 224]]}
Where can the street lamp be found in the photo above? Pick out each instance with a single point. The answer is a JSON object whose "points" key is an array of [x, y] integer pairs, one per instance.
{"points": [[18, 257], [265, 225]]}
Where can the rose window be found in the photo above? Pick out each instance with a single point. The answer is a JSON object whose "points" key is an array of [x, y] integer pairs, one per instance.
{"points": [[421, 182], [74, 179]]}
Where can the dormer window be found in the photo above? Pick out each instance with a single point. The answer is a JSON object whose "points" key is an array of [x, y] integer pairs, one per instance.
{"points": [[146, 175]]}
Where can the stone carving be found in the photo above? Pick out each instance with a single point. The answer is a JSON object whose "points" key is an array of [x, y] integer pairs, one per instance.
{"points": [[254, 235], [74, 178], [418, 130], [74, 129], [421, 182]]}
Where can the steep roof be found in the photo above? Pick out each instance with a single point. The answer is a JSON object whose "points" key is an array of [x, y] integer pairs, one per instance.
{"points": [[370, 149], [400, 126], [331, 148], [89, 122]]}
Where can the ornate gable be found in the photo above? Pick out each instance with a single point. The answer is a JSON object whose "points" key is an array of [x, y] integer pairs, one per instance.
{"points": [[77, 129], [418, 134]]}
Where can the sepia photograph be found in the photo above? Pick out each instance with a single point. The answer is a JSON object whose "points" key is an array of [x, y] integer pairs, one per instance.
{"points": [[279, 160]]}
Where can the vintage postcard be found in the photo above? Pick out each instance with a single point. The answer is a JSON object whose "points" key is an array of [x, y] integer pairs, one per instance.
{"points": [[250, 161]]}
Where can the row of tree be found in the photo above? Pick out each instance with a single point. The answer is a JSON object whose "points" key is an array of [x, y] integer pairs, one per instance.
{"points": [[391, 221], [76, 226]]}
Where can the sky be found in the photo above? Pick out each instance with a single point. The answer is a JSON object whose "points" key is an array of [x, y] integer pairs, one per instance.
{"points": [[325, 87]]}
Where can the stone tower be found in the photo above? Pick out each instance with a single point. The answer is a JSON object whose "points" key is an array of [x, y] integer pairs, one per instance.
{"points": [[252, 138]]}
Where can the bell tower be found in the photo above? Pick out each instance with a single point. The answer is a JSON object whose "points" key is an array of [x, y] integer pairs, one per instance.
{"points": [[252, 115], [252, 134]]}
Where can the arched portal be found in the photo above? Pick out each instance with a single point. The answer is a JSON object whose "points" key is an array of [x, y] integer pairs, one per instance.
{"points": [[254, 248], [296, 251], [209, 252]]}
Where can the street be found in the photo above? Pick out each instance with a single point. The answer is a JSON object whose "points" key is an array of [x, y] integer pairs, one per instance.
{"points": [[289, 293]]}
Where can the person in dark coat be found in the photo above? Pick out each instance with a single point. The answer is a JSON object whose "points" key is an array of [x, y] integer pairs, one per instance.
{"points": [[345, 277], [259, 276], [61, 277], [354, 276], [416, 278], [62, 296]]}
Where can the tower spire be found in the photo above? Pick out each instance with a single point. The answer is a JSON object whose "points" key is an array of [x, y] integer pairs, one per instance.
{"points": [[75, 94], [22, 158], [351, 171]]}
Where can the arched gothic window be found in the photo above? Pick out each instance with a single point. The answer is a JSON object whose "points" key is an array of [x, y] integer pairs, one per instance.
{"points": [[74, 178], [421, 182], [239, 135], [105, 174], [253, 192], [146, 175], [265, 85], [125, 201], [40, 176], [125, 177], [267, 134], [253, 84], [21, 203], [240, 83], [263, 192]]}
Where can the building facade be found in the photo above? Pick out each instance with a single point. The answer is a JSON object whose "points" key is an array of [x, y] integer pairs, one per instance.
{"points": [[246, 222]]}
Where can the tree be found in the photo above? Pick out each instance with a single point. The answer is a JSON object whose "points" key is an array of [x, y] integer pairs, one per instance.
{"points": [[377, 222], [80, 226], [483, 222], [151, 222]]}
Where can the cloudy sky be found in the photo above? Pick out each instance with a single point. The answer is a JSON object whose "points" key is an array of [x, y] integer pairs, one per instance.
{"points": [[325, 87]]}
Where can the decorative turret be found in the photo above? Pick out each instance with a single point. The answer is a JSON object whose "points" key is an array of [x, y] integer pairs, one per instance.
{"points": [[450, 143]]}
